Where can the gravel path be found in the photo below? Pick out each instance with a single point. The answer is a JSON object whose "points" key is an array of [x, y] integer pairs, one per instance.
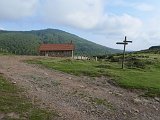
{"points": [[78, 98]]}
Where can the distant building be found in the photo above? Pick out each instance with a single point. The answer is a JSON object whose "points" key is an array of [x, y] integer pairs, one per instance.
{"points": [[57, 50]]}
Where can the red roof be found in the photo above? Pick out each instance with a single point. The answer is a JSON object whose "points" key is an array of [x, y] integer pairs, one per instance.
{"points": [[56, 47]]}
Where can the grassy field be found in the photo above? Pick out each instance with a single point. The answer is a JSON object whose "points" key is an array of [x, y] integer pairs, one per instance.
{"points": [[15, 106], [5, 53], [142, 71]]}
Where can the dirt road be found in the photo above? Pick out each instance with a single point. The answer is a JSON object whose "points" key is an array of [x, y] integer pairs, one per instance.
{"points": [[78, 98]]}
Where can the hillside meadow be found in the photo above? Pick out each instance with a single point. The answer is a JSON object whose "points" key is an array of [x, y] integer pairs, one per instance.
{"points": [[142, 70]]}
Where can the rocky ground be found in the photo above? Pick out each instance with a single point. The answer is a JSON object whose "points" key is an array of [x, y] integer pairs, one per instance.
{"points": [[78, 98]]}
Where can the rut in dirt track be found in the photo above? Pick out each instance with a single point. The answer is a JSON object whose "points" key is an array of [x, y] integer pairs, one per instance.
{"points": [[78, 98]]}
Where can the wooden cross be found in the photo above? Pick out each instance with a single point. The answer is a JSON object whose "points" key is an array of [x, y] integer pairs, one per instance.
{"points": [[125, 42]]}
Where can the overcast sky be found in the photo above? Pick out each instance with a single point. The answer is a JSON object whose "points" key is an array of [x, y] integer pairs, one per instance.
{"points": [[102, 21]]}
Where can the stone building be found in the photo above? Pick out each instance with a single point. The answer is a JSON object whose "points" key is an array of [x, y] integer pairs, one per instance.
{"points": [[57, 50]]}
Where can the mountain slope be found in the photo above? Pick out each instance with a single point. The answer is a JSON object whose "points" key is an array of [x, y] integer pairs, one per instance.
{"points": [[27, 42], [154, 48]]}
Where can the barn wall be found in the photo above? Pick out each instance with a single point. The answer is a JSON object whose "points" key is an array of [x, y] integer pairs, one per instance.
{"points": [[56, 53]]}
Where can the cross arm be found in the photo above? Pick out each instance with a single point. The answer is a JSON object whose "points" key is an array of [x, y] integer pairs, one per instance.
{"points": [[128, 41], [122, 43]]}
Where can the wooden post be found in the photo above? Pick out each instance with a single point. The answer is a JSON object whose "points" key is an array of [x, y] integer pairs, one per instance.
{"points": [[125, 42], [124, 50]]}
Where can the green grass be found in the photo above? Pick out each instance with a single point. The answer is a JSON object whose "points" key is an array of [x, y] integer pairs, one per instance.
{"points": [[147, 78], [104, 102], [5, 53], [13, 101], [72, 66]]}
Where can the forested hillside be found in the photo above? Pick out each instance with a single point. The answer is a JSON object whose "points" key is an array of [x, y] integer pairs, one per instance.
{"points": [[154, 48], [27, 42]]}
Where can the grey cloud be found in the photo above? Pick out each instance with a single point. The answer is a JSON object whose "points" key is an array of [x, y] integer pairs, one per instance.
{"points": [[17, 9], [83, 14]]}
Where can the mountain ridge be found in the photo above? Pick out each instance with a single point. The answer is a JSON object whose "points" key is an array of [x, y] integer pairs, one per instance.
{"points": [[27, 42], [155, 47]]}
